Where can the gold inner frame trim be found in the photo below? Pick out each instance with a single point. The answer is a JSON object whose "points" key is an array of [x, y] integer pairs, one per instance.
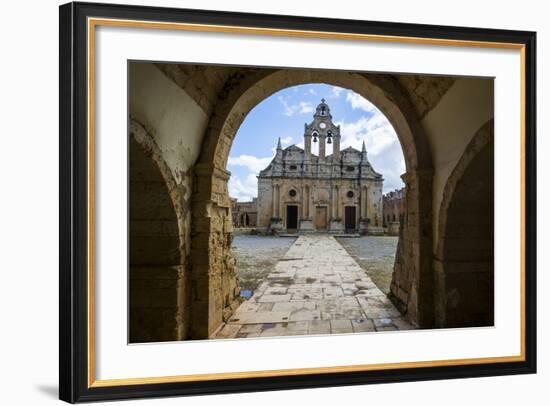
{"points": [[228, 29]]}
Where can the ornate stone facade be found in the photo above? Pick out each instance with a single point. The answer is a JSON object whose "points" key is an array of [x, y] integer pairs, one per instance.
{"points": [[336, 193]]}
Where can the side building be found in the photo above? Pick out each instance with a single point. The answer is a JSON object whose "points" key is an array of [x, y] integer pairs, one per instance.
{"points": [[394, 210], [244, 214], [336, 193]]}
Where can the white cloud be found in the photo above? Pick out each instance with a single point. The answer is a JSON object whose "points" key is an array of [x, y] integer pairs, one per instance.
{"points": [[312, 91], [243, 189], [305, 107], [285, 141], [335, 92], [359, 102], [298, 108], [383, 146], [254, 164]]}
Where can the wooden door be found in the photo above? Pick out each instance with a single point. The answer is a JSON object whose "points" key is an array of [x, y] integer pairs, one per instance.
{"points": [[291, 217], [321, 217], [349, 218]]}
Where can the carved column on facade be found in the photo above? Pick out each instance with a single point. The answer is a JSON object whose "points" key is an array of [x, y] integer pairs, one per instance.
{"points": [[334, 211], [305, 223], [273, 201], [306, 203], [276, 224], [336, 224], [303, 205], [280, 207], [363, 210]]}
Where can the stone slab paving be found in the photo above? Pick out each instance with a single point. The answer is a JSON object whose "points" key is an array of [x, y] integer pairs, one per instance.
{"points": [[316, 288]]}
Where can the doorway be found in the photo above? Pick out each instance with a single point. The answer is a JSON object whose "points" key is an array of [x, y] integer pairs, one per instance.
{"points": [[291, 217], [321, 217], [349, 218]]}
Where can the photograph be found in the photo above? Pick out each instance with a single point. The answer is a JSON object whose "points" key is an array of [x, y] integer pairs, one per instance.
{"points": [[255, 201], [298, 214]]}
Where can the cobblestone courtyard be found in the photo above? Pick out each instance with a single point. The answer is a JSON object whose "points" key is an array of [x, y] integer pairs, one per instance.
{"points": [[375, 255], [316, 287]]}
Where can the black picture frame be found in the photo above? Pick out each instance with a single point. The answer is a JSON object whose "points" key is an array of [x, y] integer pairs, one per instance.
{"points": [[73, 284]]}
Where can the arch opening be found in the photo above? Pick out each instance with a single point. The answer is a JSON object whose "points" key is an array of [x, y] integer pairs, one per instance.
{"points": [[411, 286], [464, 260], [158, 300]]}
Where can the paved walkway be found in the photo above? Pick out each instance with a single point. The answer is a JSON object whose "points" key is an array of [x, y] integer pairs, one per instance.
{"points": [[317, 288]]}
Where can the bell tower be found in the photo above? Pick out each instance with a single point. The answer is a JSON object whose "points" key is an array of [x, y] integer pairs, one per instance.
{"points": [[323, 131]]}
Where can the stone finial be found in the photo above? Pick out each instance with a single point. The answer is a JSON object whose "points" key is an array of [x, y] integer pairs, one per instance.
{"points": [[279, 144], [364, 147]]}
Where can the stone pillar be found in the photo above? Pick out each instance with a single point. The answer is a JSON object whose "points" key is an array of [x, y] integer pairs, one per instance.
{"points": [[273, 201], [305, 223], [412, 280], [280, 207], [307, 149], [336, 223], [336, 148], [322, 148], [276, 224], [363, 202], [214, 282], [363, 208], [306, 202], [334, 211], [278, 201]]}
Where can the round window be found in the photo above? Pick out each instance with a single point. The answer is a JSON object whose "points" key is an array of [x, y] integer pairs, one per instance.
{"points": [[350, 194], [292, 193]]}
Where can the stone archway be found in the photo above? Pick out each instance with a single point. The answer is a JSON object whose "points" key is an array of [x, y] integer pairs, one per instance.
{"points": [[463, 261], [157, 258], [214, 276]]}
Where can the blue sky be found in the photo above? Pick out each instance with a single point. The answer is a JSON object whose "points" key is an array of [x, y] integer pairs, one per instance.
{"points": [[284, 113]]}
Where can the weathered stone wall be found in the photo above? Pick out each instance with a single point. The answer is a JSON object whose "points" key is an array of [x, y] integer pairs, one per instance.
{"points": [[463, 261], [158, 274], [450, 126], [214, 282], [412, 281], [202, 83], [425, 91], [167, 126]]}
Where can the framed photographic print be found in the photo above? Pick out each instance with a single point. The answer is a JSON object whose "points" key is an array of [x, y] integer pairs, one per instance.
{"points": [[256, 202]]}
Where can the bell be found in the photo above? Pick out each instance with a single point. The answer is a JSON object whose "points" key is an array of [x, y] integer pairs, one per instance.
{"points": [[315, 138], [329, 140]]}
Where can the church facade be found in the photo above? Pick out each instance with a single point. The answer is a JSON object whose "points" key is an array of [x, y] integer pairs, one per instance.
{"points": [[336, 193]]}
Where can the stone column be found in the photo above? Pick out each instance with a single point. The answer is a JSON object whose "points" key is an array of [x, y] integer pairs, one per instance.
{"points": [[336, 148], [365, 201], [273, 201], [413, 279], [279, 203], [307, 149], [322, 148], [304, 202], [334, 211], [337, 202]]}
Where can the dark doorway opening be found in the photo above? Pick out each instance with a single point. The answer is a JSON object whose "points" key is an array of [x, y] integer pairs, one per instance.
{"points": [[349, 218], [292, 217]]}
